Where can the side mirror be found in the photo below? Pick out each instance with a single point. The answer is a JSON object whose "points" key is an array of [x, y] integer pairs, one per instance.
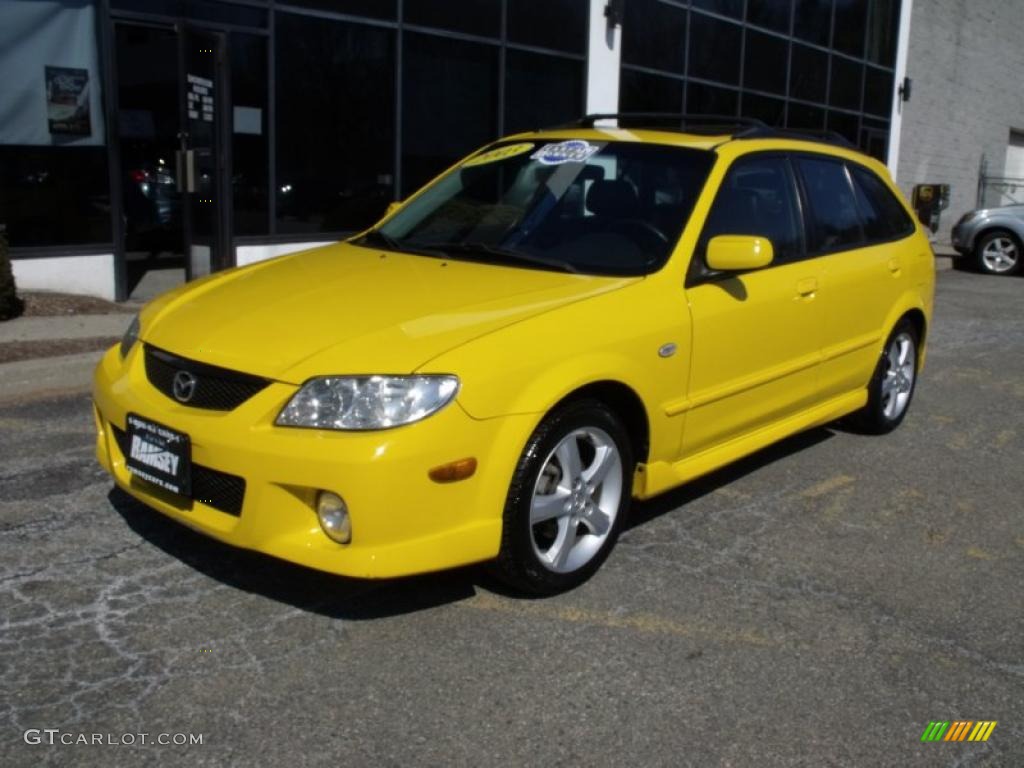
{"points": [[738, 253]]}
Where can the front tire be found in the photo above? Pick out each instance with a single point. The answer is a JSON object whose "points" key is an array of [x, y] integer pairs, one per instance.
{"points": [[569, 495], [998, 253], [892, 385]]}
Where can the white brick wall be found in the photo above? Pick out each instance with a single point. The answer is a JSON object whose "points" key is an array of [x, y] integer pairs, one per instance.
{"points": [[966, 58]]}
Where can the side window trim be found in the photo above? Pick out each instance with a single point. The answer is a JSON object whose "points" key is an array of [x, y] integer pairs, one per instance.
{"points": [[804, 253], [841, 161], [851, 167]]}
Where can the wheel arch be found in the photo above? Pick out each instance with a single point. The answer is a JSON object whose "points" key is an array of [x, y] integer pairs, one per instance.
{"points": [[920, 323], [625, 403], [995, 227]]}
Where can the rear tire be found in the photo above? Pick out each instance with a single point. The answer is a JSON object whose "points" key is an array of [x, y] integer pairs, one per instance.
{"points": [[892, 385], [569, 495], [998, 253]]}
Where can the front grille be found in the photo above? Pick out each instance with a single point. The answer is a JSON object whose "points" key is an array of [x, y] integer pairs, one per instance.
{"points": [[216, 389], [216, 489]]}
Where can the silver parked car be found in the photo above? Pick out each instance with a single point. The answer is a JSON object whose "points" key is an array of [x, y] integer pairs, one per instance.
{"points": [[990, 240]]}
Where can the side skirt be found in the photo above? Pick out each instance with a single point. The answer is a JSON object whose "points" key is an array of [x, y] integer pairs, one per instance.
{"points": [[659, 476]]}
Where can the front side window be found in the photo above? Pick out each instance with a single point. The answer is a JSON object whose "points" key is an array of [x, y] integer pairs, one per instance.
{"points": [[835, 223], [757, 197], [612, 208]]}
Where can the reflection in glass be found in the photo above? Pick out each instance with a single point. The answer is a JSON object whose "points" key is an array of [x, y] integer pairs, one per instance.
{"points": [[844, 89], [805, 116], [37, 181], [812, 20], [764, 67], [732, 8], [335, 123], [573, 206], [249, 145], [644, 92], [808, 73], [560, 25], [475, 17], [877, 91], [845, 124], [541, 90], [441, 123], [849, 26], [654, 35], [704, 99], [883, 25], [773, 14], [764, 108], [714, 49]]}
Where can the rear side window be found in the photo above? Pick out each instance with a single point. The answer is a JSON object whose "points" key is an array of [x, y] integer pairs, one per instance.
{"points": [[757, 197], [834, 220], [881, 213]]}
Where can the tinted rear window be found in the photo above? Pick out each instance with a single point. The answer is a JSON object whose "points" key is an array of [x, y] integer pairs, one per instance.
{"points": [[881, 213], [834, 220]]}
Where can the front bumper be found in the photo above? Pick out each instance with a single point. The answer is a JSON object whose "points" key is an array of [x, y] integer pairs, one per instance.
{"points": [[960, 240], [402, 521]]}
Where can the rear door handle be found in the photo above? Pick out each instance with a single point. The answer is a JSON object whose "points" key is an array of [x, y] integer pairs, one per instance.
{"points": [[807, 287], [894, 265]]}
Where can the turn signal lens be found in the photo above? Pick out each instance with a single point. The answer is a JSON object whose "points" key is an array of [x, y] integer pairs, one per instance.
{"points": [[453, 471]]}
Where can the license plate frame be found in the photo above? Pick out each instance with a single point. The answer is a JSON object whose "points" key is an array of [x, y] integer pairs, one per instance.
{"points": [[159, 455]]}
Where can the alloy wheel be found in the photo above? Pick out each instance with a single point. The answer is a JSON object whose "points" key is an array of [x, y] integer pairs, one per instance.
{"points": [[898, 381], [576, 499], [999, 255]]}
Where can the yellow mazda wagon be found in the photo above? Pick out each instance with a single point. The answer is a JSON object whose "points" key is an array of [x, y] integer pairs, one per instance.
{"points": [[562, 322]]}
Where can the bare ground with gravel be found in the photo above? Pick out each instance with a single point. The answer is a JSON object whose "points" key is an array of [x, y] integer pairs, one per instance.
{"points": [[13, 351], [47, 304]]}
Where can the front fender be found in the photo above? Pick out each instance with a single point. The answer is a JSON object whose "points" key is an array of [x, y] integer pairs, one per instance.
{"points": [[528, 367]]}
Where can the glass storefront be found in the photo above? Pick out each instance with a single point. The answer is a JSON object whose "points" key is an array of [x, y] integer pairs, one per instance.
{"points": [[807, 64], [171, 132]]}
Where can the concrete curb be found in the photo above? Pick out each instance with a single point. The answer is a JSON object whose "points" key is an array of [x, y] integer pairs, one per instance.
{"points": [[63, 327], [46, 376]]}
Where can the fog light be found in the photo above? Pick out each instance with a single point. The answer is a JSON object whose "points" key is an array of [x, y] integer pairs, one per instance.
{"points": [[333, 514]]}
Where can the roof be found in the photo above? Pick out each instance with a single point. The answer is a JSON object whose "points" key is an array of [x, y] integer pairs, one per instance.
{"points": [[700, 131]]}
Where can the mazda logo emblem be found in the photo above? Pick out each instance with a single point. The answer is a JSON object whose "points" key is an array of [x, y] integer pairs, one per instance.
{"points": [[184, 386]]}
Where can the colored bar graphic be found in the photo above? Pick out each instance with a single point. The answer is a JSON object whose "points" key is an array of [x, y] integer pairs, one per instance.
{"points": [[982, 730], [958, 730]]}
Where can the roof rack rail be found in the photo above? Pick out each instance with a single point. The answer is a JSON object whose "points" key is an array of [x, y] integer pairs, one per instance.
{"points": [[691, 123], [731, 125], [767, 132]]}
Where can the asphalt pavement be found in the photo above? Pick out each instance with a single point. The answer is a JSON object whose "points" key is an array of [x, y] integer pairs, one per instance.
{"points": [[817, 604]]}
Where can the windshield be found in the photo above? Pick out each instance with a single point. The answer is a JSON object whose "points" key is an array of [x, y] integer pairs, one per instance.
{"points": [[613, 208]]}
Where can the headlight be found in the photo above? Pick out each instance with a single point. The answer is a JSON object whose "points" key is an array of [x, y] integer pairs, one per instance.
{"points": [[367, 402], [130, 337], [969, 216]]}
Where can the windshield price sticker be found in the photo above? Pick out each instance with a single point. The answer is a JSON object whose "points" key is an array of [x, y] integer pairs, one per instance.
{"points": [[501, 153], [572, 151]]}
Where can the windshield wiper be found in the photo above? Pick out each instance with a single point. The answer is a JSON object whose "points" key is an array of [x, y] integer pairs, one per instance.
{"points": [[505, 254], [375, 238]]}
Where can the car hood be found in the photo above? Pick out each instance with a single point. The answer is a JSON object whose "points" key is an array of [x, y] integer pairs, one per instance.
{"points": [[347, 309]]}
